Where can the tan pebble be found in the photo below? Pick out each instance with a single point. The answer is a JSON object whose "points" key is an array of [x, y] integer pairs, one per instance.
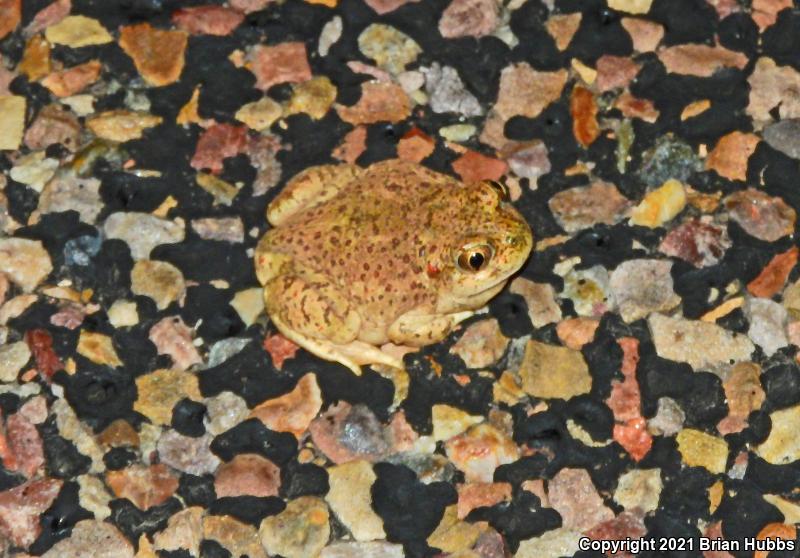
{"points": [[77, 31], [699, 449]]}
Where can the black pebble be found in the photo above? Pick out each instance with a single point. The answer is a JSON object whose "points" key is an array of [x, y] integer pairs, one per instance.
{"points": [[756, 431], [37, 96], [9, 403], [220, 320], [109, 274], [704, 401], [772, 479], [600, 31], [249, 509], [133, 522], [511, 312], [187, 418], [595, 417], [759, 426], [99, 394], [22, 201], [659, 377], [196, 491], [684, 493], [231, 262], [664, 453], [119, 458], [735, 321], [212, 549], [744, 511], [545, 430], [251, 436], [426, 390], [303, 479], [525, 468], [604, 357], [225, 87], [59, 518], [62, 458], [134, 343], [410, 509], [782, 385], [249, 374], [521, 518], [337, 383], [699, 28], [781, 41], [739, 32], [537, 46], [122, 191]]}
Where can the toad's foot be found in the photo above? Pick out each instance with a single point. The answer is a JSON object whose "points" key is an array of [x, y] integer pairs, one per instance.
{"points": [[352, 355], [419, 329]]}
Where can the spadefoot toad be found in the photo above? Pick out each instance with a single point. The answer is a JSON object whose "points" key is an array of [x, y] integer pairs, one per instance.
{"points": [[393, 253]]}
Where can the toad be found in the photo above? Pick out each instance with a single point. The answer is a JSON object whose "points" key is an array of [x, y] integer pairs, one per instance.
{"points": [[362, 258]]}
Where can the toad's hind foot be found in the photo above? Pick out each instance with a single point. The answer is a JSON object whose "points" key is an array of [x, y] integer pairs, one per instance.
{"points": [[352, 355]]}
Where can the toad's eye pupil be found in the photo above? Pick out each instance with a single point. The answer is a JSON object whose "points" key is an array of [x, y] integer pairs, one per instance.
{"points": [[476, 260]]}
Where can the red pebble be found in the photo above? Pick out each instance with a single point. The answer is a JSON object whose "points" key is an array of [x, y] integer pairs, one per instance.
{"points": [[280, 349], [218, 143], [40, 342]]}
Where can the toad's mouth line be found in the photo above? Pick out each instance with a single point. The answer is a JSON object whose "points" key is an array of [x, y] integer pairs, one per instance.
{"points": [[492, 289], [502, 279]]}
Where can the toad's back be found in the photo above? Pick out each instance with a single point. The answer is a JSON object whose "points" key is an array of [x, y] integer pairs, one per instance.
{"points": [[368, 237]]}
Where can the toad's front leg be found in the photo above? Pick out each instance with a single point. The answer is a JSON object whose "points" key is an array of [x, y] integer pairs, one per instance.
{"points": [[418, 328]]}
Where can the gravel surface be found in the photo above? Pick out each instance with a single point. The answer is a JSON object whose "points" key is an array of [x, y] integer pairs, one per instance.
{"points": [[638, 378]]}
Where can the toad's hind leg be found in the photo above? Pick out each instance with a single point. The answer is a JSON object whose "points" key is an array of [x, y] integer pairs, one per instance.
{"points": [[311, 312], [310, 305], [352, 355], [309, 188]]}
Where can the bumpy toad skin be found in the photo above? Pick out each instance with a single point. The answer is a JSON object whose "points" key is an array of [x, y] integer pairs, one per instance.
{"points": [[359, 257]]}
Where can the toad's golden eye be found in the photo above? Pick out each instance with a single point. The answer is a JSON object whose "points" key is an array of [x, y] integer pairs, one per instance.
{"points": [[499, 187], [475, 257]]}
